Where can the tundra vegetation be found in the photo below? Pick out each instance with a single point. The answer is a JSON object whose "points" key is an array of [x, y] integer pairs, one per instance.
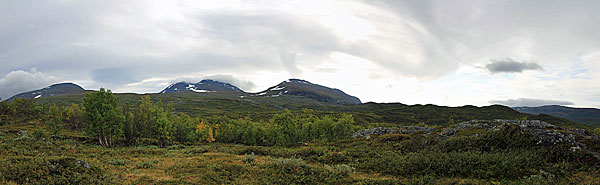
{"points": [[103, 139]]}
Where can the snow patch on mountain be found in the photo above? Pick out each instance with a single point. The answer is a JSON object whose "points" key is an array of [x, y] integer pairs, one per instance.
{"points": [[277, 88], [200, 90]]}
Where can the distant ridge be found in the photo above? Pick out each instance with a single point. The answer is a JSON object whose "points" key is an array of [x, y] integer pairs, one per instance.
{"points": [[588, 116], [53, 90]]}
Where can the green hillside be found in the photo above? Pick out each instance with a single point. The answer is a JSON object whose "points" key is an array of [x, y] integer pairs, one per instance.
{"points": [[222, 138], [259, 107]]}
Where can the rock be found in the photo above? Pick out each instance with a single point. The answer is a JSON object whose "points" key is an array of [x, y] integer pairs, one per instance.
{"points": [[83, 164], [527, 123], [450, 132], [578, 131], [366, 133], [478, 124], [486, 124], [553, 137], [22, 133]]}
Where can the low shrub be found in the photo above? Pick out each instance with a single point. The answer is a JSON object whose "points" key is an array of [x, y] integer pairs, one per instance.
{"points": [[249, 158], [50, 171], [254, 150], [117, 162], [392, 137], [146, 164], [340, 169], [39, 134], [176, 147], [505, 164], [334, 157], [196, 150]]}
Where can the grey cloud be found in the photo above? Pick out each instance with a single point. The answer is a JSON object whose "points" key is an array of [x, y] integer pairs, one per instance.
{"points": [[526, 102], [271, 37], [113, 76], [243, 84], [511, 66], [19, 81]]}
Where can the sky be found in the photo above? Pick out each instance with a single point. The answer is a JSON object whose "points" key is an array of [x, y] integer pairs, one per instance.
{"points": [[452, 53]]}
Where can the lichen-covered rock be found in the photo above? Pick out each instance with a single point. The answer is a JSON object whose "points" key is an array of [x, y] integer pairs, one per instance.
{"points": [[22, 133], [545, 134], [366, 133], [450, 132], [83, 164], [527, 123], [578, 131], [553, 137]]}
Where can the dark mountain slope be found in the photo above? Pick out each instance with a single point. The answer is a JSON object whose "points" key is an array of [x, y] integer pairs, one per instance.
{"points": [[53, 90], [588, 116], [297, 87], [201, 87]]}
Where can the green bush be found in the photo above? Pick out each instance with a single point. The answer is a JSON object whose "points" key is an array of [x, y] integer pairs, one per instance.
{"points": [[103, 117], [284, 129]]}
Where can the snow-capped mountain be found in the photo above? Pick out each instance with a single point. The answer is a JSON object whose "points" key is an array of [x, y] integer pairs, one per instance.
{"points": [[53, 90], [201, 87], [298, 87]]}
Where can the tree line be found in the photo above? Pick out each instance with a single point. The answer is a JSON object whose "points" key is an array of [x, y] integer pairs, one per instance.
{"points": [[109, 123]]}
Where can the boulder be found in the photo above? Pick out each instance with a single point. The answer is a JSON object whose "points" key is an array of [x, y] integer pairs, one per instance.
{"points": [[578, 131], [553, 137], [83, 164], [366, 133], [22, 133]]}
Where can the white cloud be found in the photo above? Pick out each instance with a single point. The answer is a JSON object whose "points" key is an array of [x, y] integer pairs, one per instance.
{"points": [[526, 102], [19, 81]]}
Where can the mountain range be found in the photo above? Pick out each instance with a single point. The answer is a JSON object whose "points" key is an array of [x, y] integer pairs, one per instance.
{"points": [[291, 87], [296, 93]]}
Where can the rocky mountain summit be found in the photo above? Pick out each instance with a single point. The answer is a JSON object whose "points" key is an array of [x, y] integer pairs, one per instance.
{"points": [[203, 86], [298, 87], [53, 90]]}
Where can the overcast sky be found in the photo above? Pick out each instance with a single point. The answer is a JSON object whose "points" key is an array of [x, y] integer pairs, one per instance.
{"points": [[415, 52]]}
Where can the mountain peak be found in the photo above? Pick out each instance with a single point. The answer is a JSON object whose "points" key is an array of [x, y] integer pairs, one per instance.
{"points": [[299, 87], [204, 86], [291, 80], [52, 90]]}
